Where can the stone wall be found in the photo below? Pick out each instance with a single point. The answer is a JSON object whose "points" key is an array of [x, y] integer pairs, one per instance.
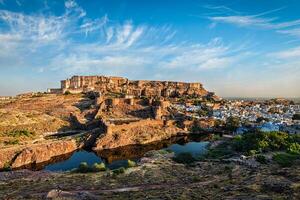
{"points": [[138, 88]]}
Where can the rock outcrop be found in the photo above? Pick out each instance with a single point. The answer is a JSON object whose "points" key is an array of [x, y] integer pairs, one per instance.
{"points": [[118, 85], [140, 132], [43, 152], [35, 154]]}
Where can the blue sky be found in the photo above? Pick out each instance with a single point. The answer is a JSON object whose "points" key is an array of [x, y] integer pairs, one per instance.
{"points": [[247, 48]]}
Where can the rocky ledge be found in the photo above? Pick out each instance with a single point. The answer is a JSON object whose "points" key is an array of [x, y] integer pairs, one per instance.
{"points": [[36, 153]]}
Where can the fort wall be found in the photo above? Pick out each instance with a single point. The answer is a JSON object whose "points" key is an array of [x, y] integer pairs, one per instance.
{"points": [[136, 88]]}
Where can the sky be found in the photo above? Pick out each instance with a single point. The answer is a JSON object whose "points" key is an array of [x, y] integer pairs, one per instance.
{"points": [[236, 48]]}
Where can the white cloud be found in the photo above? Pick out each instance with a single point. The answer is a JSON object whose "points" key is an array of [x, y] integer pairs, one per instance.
{"points": [[258, 21], [287, 54], [49, 43], [293, 32], [242, 20], [93, 25], [254, 21]]}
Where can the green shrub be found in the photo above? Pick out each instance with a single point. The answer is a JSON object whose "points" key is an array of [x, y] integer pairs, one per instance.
{"points": [[185, 158], [118, 171], [261, 159], [98, 167], [6, 167], [216, 137], [285, 159], [11, 142], [67, 92], [277, 140], [20, 133], [262, 142], [83, 167], [232, 123], [131, 163], [294, 148], [252, 152]]}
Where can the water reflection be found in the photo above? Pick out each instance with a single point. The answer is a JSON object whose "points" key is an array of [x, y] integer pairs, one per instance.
{"points": [[134, 152], [115, 158]]}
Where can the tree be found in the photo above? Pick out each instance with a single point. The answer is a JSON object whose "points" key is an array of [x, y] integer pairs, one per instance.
{"points": [[232, 123], [296, 116], [260, 119], [202, 113]]}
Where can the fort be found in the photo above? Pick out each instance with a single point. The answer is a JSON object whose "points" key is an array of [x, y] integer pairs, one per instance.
{"points": [[134, 88]]}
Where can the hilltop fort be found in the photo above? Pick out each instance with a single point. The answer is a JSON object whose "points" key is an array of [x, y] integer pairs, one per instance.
{"points": [[136, 88]]}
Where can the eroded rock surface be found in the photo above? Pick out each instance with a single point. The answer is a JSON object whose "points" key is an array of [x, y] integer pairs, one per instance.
{"points": [[141, 132], [43, 152]]}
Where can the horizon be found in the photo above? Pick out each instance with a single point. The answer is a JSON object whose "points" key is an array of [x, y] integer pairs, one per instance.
{"points": [[237, 49]]}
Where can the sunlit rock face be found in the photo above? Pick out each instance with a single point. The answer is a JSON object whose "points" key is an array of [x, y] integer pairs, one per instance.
{"points": [[103, 84], [39, 153]]}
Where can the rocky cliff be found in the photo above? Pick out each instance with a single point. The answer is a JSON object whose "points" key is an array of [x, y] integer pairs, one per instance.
{"points": [[141, 132]]}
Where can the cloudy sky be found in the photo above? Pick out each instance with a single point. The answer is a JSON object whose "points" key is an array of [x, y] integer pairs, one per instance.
{"points": [[248, 48]]}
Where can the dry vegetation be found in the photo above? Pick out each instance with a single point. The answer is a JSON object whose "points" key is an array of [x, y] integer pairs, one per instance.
{"points": [[161, 178], [38, 115]]}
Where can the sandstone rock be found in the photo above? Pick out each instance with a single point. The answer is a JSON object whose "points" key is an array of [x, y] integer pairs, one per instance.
{"points": [[53, 194], [140, 132], [6, 155], [43, 152], [103, 84]]}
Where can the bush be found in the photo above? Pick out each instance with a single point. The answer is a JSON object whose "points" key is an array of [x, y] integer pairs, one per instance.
{"points": [[216, 137], [278, 140], [185, 158], [262, 142], [294, 148], [6, 167], [260, 119], [83, 167], [218, 153], [131, 163], [202, 113], [67, 92], [11, 142], [285, 159], [261, 159], [252, 152], [296, 116], [20, 133], [118, 171], [233, 123], [98, 167]]}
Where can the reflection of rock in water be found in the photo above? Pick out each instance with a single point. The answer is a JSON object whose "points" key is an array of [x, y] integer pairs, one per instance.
{"points": [[137, 151], [40, 166]]}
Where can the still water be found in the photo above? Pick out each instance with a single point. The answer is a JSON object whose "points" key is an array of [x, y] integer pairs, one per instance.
{"points": [[115, 158]]}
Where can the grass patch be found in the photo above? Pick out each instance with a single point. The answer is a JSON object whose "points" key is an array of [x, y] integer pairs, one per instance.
{"points": [[11, 142], [118, 171], [261, 159], [285, 159], [222, 151], [19, 133], [185, 158]]}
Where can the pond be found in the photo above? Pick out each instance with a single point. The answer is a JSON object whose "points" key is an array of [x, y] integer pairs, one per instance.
{"points": [[115, 158]]}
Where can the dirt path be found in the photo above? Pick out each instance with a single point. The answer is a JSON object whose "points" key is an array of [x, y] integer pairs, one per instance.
{"points": [[96, 194]]}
